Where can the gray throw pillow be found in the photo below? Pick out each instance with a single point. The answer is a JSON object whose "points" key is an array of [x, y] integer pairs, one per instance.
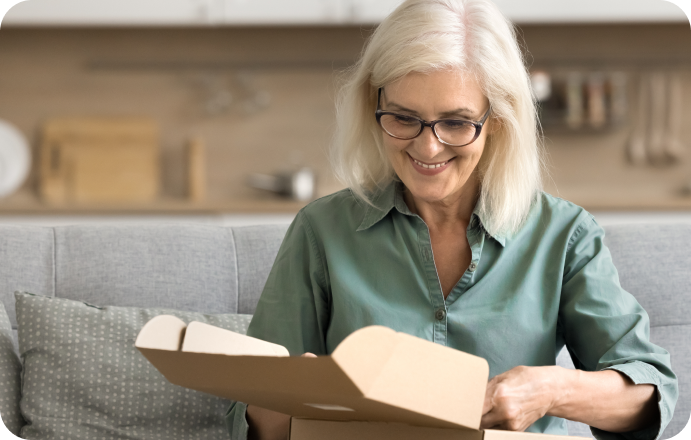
{"points": [[83, 378], [10, 377]]}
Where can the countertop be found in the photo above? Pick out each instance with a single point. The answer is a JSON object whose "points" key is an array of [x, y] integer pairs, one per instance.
{"points": [[27, 203]]}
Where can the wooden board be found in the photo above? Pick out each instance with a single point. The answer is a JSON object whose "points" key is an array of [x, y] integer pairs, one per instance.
{"points": [[97, 160]]}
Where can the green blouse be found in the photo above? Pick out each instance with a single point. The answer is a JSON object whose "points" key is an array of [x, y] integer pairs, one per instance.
{"points": [[344, 265]]}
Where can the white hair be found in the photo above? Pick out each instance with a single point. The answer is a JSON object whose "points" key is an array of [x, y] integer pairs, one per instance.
{"points": [[427, 35]]}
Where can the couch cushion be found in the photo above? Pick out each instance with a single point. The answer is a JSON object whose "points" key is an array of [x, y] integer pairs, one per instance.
{"points": [[10, 377], [257, 247], [653, 263], [83, 378], [182, 267], [26, 259]]}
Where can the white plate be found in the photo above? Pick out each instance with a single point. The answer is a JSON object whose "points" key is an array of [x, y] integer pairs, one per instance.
{"points": [[15, 158]]}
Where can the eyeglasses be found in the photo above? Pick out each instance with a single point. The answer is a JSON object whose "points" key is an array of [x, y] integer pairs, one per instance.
{"points": [[452, 132]]}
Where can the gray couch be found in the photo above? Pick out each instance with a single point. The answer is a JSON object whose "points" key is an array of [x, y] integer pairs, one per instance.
{"points": [[222, 270]]}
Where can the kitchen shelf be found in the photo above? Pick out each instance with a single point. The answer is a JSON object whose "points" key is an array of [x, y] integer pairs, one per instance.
{"points": [[26, 203], [23, 204]]}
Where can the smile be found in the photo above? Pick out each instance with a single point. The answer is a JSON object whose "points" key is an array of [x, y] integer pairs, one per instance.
{"points": [[429, 169], [431, 165]]}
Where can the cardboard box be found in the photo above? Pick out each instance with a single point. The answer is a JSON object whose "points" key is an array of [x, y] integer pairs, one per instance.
{"points": [[377, 384]]}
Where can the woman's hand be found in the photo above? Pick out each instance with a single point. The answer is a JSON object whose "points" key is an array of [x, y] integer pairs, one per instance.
{"points": [[606, 399], [517, 398], [265, 424]]}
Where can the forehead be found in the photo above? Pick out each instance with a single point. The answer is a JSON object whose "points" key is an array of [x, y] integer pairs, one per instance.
{"points": [[437, 91]]}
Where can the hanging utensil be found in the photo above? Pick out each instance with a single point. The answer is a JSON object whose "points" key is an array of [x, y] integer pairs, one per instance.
{"points": [[574, 100], [636, 150], [618, 102], [597, 109], [658, 119], [672, 144]]}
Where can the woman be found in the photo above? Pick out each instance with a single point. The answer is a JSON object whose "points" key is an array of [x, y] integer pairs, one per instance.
{"points": [[444, 234]]}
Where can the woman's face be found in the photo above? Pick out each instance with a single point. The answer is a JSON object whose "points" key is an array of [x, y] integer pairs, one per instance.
{"points": [[445, 94]]}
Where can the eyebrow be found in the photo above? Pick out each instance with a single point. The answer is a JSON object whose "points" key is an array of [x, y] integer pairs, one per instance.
{"points": [[461, 111]]}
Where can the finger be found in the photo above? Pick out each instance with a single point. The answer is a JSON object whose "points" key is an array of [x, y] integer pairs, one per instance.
{"points": [[488, 405], [489, 394], [498, 420], [309, 355], [491, 420]]}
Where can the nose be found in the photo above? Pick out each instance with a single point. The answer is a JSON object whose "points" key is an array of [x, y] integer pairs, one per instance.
{"points": [[427, 144]]}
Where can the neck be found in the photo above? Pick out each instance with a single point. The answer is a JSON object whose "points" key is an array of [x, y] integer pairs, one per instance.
{"points": [[453, 211]]}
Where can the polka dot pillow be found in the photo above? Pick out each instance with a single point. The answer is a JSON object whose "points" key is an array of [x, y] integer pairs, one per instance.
{"points": [[83, 378], [10, 373]]}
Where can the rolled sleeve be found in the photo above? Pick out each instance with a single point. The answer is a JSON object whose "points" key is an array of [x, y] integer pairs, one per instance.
{"points": [[604, 327]]}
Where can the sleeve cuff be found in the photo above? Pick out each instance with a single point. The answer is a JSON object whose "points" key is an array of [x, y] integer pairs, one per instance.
{"points": [[639, 373], [236, 421]]}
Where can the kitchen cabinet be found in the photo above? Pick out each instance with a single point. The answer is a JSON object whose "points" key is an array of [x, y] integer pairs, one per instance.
{"points": [[176, 12], [599, 11], [258, 12], [297, 12], [549, 11], [116, 12], [368, 11]]}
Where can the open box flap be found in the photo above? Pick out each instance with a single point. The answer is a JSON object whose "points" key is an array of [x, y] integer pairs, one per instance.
{"points": [[408, 372], [374, 374]]}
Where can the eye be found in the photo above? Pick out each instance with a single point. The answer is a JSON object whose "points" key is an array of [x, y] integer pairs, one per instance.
{"points": [[455, 124], [405, 120]]}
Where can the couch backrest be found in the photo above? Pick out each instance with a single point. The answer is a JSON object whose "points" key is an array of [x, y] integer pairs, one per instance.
{"points": [[186, 267]]}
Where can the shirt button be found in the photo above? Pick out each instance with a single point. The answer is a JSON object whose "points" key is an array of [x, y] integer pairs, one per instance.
{"points": [[440, 314], [473, 266]]}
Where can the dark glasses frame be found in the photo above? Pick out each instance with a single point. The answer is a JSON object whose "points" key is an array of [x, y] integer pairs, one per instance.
{"points": [[431, 124]]}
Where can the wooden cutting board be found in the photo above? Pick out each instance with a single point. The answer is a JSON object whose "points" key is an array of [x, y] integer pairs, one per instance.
{"points": [[99, 160]]}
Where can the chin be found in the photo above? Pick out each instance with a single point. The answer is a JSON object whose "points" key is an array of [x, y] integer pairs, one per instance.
{"points": [[429, 193]]}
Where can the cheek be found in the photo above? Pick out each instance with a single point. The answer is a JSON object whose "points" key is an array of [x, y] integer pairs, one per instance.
{"points": [[395, 149]]}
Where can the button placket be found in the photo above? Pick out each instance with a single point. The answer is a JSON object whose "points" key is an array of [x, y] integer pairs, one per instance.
{"points": [[435, 293], [476, 241]]}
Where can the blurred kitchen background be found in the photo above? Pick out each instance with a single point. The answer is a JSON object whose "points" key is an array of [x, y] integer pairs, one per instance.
{"points": [[222, 111]]}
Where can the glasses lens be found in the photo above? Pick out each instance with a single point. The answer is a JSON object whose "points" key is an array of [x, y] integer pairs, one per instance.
{"points": [[455, 132], [400, 126]]}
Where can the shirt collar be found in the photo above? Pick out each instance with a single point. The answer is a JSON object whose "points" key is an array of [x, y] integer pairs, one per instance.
{"points": [[391, 196]]}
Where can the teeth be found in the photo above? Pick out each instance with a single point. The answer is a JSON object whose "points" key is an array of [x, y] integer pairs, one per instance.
{"points": [[439, 165]]}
